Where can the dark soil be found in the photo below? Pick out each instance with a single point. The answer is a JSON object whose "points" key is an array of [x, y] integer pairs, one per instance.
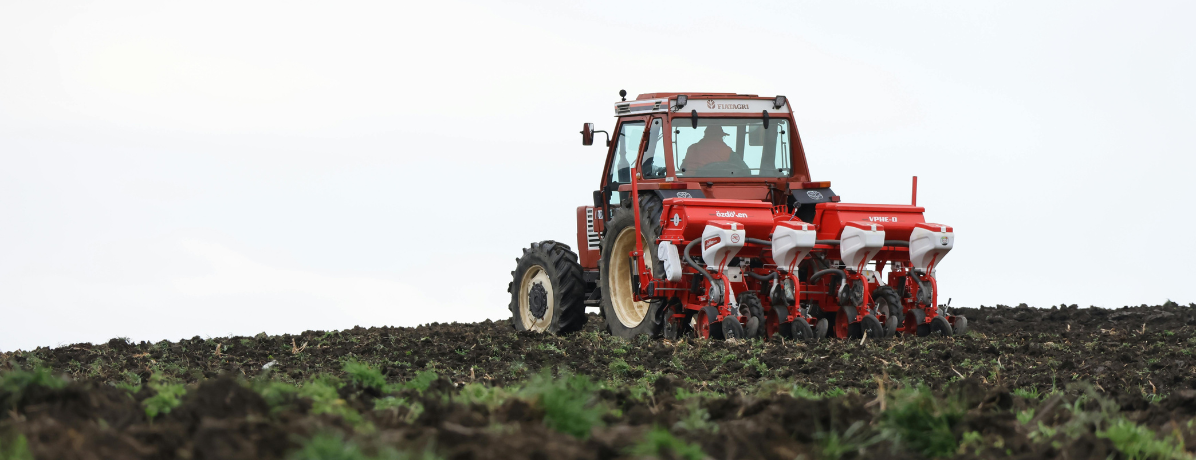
{"points": [[1060, 362]]}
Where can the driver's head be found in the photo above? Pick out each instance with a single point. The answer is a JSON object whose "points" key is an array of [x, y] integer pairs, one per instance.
{"points": [[714, 131]]}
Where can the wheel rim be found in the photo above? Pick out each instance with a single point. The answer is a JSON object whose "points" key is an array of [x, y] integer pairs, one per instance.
{"points": [[627, 310], [536, 288], [772, 325], [843, 321], [702, 326], [800, 332]]}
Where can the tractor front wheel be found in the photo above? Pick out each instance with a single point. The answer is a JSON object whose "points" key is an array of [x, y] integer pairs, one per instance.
{"points": [[547, 292]]}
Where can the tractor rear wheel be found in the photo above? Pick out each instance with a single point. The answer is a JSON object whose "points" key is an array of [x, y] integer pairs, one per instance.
{"points": [[547, 292], [625, 317], [888, 303]]}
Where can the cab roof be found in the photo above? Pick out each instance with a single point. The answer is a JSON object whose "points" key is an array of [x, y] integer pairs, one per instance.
{"points": [[647, 96]]}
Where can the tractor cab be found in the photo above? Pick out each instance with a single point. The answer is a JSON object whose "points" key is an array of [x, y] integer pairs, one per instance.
{"points": [[700, 145]]}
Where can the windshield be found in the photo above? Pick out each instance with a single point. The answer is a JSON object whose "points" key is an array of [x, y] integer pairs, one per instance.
{"points": [[731, 147]]}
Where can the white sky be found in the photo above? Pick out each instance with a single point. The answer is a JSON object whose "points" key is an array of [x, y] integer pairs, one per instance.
{"points": [[172, 169]]}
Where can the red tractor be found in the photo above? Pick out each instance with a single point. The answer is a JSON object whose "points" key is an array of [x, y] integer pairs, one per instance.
{"points": [[706, 222]]}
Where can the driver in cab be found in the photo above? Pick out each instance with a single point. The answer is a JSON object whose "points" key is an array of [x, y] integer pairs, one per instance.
{"points": [[710, 149]]}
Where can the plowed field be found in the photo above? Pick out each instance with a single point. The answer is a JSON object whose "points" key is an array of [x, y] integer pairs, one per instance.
{"points": [[1063, 382]]}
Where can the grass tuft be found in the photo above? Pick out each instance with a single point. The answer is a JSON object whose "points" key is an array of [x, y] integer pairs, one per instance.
{"points": [[363, 374], [167, 396], [325, 399], [917, 419], [14, 385], [1137, 442], [660, 443], [14, 447], [329, 446], [569, 402]]}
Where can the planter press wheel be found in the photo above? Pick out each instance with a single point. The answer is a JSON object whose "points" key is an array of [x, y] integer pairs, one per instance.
{"points": [[872, 326], [750, 304], [939, 326], [777, 322], [732, 329], [844, 328], [888, 303], [801, 331], [706, 326], [961, 325], [821, 328], [915, 321]]}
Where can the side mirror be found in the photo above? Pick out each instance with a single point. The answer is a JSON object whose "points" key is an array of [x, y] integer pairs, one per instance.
{"points": [[587, 134]]}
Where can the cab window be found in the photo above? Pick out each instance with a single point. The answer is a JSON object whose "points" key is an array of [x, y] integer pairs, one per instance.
{"points": [[731, 147], [627, 143], [653, 166]]}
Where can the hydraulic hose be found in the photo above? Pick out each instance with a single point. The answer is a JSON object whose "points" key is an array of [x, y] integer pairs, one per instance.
{"points": [[898, 243], [830, 271], [759, 241], [689, 260], [767, 277]]}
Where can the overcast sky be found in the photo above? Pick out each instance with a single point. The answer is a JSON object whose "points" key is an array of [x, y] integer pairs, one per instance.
{"points": [[173, 169]]}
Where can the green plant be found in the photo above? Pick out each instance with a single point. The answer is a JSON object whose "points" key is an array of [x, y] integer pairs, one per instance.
{"points": [[833, 445], [14, 384], [477, 393], [329, 446], [14, 447], [799, 391], [166, 397], [1137, 442], [619, 366], [1032, 393], [325, 400], [275, 393], [568, 401], [662, 444], [364, 375], [1024, 417], [697, 418], [917, 419], [755, 363], [972, 440], [422, 381]]}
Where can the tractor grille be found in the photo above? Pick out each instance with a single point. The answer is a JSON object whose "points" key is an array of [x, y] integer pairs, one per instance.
{"points": [[593, 239]]}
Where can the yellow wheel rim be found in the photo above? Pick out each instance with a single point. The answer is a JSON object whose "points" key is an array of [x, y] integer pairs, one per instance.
{"points": [[627, 310], [535, 274]]}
